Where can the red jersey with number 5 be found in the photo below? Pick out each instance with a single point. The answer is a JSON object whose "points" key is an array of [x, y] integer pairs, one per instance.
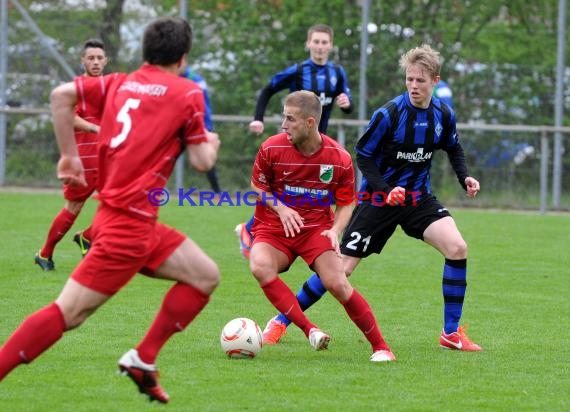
{"points": [[149, 117]]}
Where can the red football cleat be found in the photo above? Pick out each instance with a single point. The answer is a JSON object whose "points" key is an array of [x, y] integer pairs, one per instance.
{"points": [[145, 376], [458, 341]]}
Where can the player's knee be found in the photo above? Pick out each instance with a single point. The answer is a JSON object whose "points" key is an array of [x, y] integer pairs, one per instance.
{"points": [[210, 278], [263, 271], [339, 287], [457, 250], [259, 265], [214, 276]]}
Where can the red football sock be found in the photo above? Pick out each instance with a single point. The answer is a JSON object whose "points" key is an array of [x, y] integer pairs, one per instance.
{"points": [[285, 302], [180, 306], [35, 335], [87, 233], [59, 227], [361, 314]]}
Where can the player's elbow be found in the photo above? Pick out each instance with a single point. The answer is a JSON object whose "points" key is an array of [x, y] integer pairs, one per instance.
{"points": [[63, 96], [203, 165], [203, 157], [56, 98]]}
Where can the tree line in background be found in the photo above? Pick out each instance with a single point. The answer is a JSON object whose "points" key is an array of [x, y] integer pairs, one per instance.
{"points": [[500, 60], [500, 57]]}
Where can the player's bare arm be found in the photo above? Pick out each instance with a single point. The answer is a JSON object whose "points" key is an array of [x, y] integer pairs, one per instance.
{"points": [[214, 139], [79, 123], [202, 156], [62, 103], [292, 221]]}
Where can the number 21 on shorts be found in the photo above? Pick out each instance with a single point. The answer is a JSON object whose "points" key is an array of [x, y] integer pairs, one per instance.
{"points": [[358, 240]]}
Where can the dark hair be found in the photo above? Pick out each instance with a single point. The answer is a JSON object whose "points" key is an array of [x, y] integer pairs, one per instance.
{"points": [[94, 43], [166, 40]]}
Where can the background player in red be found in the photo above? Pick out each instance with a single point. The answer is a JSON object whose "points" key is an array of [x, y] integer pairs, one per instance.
{"points": [[150, 115], [297, 174], [87, 119], [318, 74]]}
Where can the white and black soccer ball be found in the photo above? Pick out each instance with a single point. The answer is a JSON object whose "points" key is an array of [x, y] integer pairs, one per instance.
{"points": [[241, 338]]}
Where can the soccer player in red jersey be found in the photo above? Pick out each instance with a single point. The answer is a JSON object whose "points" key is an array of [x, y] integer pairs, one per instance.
{"points": [[297, 174], [149, 116], [87, 120]]}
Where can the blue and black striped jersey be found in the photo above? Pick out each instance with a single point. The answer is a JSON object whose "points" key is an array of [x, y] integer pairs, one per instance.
{"points": [[326, 81], [397, 147]]}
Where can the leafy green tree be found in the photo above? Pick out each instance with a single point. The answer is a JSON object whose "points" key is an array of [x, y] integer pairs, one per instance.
{"points": [[499, 56], [110, 31]]}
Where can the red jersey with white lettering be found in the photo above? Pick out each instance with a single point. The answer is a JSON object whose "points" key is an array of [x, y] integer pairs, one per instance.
{"points": [[150, 115], [307, 184]]}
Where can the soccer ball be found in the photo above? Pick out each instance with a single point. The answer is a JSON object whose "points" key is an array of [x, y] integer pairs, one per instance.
{"points": [[241, 338]]}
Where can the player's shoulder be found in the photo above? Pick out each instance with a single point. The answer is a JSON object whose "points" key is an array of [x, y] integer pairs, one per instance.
{"points": [[277, 140], [290, 70], [393, 105], [329, 141], [335, 147], [335, 65], [180, 86], [114, 76], [98, 84], [275, 147]]}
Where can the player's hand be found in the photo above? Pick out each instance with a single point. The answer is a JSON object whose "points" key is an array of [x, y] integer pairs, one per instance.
{"points": [[256, 127], [333, 236], [214, 140], [94, 128], [397, 196], [291, 220], [342, 101], [70, 171], [473, 186]]}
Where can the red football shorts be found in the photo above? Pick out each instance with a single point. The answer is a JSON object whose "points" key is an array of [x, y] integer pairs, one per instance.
{"points": [[122, 247], [309, 244], [81, 193]]}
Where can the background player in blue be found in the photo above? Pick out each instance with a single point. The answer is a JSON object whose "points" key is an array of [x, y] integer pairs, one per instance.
{"points": [[190, 74], [443, 92], [316, 74], [394, 155]]}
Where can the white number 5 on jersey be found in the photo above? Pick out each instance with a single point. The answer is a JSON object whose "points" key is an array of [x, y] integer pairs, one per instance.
{"points": [[124, 118]]}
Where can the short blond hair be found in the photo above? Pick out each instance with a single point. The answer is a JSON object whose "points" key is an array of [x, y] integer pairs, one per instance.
{"points": [[425, 57], [320, 28], [307, 102]]}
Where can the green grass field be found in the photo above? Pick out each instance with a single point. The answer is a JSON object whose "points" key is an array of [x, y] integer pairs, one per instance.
{"points": [[517, 305]]}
